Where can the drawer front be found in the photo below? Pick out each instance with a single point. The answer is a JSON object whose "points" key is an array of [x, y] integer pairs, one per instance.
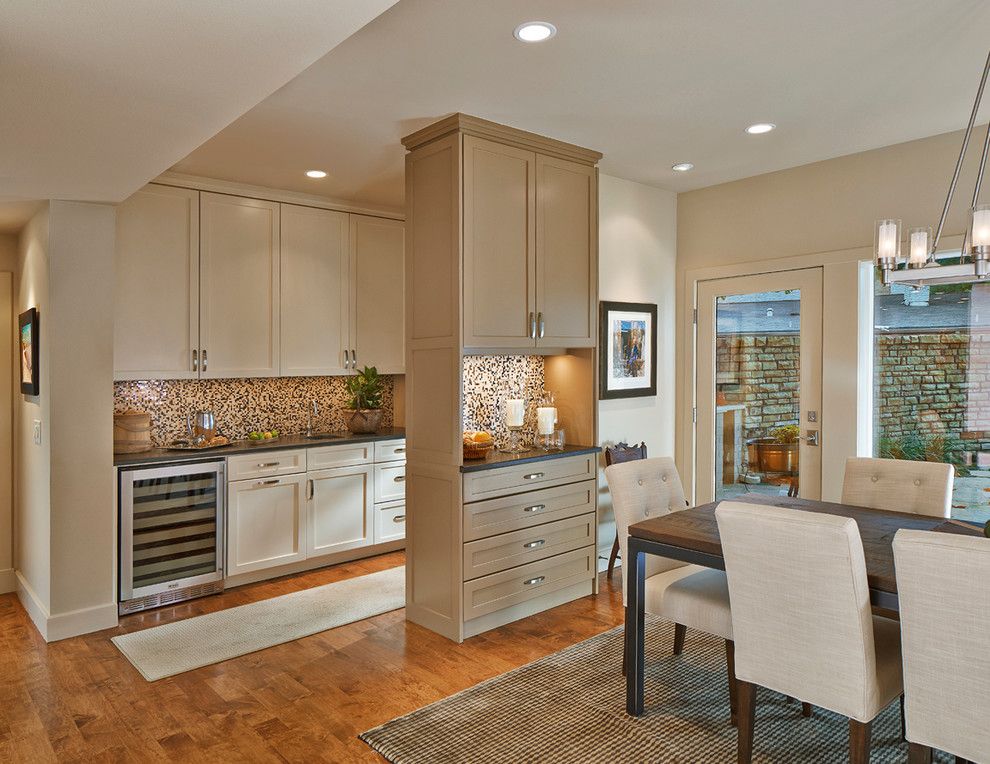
{"points": [[390, 482], [499, 553], [246, 466], [501, 590], [390, 451], [344, 455], [390, 522], [502, 481], [512, 513]]}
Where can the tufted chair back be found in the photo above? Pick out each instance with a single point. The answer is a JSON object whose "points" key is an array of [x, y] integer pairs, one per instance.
{"points": [[898, 485], [641, 489]]}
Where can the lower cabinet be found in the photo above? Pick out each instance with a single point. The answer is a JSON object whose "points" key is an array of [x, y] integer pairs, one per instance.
{"points": [[390, 522], [266, 523], [341, 509]]}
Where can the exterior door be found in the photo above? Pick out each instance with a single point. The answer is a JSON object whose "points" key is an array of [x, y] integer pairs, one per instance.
{"points": [[341, 510], [759, 386]]}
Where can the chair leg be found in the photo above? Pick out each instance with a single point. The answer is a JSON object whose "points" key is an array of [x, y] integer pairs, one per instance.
{"points": [[746, 718], [730, 665], [859, 741], [612, 556], [680, 631], [805, 710], [919, 754]]}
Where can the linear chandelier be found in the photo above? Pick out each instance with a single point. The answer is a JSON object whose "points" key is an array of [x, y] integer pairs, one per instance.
{"points": [[920, 267]]}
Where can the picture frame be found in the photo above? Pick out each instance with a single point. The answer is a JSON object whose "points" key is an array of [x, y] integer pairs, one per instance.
{"points": [[28, 340], [627, 359]]}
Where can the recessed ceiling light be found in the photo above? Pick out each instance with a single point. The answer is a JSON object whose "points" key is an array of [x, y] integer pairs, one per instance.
{"points": [[760, 127], [682, 167], [535, 31], [316, 173]]}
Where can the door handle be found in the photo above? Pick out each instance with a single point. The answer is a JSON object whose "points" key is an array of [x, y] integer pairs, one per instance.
{"points": [[811, 438], [266, 465], [310, 488], [539, 318], [535, 544], [533, 476], [537, 580], [399, 519], [535, 508], [275, 481], [399, 451], [204, 360], [532, 325], [399, 479], [195, 360]]}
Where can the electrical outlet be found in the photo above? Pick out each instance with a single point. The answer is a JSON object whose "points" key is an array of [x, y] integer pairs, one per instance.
{"points": [[37, 432]]}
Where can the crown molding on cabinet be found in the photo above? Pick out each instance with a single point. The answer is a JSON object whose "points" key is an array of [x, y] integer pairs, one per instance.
{"points": [[181, 180], [483, 128]]}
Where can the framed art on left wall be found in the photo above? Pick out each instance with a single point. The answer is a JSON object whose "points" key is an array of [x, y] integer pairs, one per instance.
{"points": [[628, 350], [28, 338]]}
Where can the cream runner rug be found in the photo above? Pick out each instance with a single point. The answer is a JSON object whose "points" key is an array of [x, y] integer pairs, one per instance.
{"points": [[184, 645]]}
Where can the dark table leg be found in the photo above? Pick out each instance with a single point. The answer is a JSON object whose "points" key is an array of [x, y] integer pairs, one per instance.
{"points": [[634, 636]]}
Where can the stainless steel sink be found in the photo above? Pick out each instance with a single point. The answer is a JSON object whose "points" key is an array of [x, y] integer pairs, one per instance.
{"points": [[323, 436]]}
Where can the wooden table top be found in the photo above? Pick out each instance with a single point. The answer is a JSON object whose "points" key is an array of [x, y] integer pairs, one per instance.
{"points": [[696, 529]]}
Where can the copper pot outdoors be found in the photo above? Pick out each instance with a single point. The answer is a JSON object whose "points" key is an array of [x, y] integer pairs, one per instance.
{"points": [[772, 456]]}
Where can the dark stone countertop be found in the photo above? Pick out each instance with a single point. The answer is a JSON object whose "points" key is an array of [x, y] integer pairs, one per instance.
{"points": [[160, 455], [497, 459]]}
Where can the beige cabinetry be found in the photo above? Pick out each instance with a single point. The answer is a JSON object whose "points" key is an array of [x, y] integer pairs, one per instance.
{"points": [[156, 295], [377, 299], [239, 289], [341, 505], [266, 523], [315, 319]]}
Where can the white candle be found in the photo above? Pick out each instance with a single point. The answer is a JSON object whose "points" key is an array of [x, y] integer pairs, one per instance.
{"points": [[546, 418], [919, 247], [514, 412], [887, 240]]}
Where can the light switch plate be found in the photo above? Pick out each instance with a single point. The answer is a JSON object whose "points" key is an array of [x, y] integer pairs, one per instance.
{"points": [[37, 432]]}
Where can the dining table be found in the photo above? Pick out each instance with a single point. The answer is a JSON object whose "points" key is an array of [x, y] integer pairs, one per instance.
{"points": [[691, 535]]}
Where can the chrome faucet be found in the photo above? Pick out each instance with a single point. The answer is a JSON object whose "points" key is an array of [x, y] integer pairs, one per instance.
{"points": [[314, 411]]}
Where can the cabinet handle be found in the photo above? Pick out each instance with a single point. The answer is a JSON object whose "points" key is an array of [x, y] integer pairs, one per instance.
{"points": [[399, 451], [274, 481], [353, 358], [204, 360], [533, 476], [399, 519], [195, 360], [539, 318], [532, 325], [310, 488], [535, 508], [399, 479], [537, 580], [535, 544], [265, 465]]}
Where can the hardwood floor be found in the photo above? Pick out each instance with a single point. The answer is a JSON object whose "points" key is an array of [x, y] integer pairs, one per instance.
{"points": [[80, 699]]}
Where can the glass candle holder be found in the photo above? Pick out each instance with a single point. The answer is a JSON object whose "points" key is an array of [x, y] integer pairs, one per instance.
{"points": [[515, 418]]}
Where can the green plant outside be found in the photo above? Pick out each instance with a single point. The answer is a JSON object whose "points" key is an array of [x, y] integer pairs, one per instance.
{"points": [[924, 448], [365, 389], [790, 433]]}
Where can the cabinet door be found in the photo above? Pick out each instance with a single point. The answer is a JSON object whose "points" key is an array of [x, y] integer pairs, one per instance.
{"points": [[499, 245], [266, 523], [156, 298], [239, 297], [314, 291], [378, 283], [566, 253], [341, 506]]}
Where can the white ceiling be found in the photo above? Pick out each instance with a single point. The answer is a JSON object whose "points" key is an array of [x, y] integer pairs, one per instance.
{"points": [[99, 96], [648, 83]]}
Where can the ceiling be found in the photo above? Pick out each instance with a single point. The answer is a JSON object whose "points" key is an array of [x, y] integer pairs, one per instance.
{"points": [[97, 97], [648, 83]]}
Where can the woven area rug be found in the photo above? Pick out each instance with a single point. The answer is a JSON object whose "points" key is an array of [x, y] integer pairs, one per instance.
{"points": [[569, 707], [184, 645]]}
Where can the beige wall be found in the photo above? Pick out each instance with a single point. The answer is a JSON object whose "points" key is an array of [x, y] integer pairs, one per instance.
{"points": [[8, 263], [637, 245], [820, 214]]}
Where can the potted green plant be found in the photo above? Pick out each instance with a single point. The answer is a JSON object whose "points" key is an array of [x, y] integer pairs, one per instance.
{"points": [[779, 452], [364, 408]]}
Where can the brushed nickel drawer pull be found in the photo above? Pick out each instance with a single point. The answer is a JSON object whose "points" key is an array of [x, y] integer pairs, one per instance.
{"points": [[263, 465], [537, 580], [204, 360], [532, 325], [195, 360], [533, 476], [535, 508], [399, 478], [400, 450], [399, 519], [310, 488], [534, 544], [539, 318], [275, 481]]}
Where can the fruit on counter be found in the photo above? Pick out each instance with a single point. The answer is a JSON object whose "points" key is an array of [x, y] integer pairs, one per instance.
{"points": [[262, 434], [477, 437]]}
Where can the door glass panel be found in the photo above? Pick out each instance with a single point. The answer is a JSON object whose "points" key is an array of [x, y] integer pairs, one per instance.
{"points": [[757, 388]]}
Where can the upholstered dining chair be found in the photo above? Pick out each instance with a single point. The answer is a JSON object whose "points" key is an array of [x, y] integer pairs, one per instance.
{"points": [[943, 586], [618, 454], [689, 595], [899, 485], [801, 618]]}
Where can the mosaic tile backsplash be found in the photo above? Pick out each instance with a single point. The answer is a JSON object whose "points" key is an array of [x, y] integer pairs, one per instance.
{"points": [[489, 381], [241, 405]]}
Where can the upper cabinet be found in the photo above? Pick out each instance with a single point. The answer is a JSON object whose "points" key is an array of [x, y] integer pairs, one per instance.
{"points": [[156, 311], [239, 290], [218, 285]]}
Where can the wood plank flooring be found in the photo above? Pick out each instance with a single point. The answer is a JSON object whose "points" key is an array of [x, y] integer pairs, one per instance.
{"points": [[305, 701]]}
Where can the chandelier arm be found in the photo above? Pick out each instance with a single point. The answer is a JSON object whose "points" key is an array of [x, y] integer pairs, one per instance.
{"points": [[962, 156], [983, 166]]}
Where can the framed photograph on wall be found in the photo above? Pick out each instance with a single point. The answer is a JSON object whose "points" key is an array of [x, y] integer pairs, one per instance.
{"points": [[628, 350], [28, 334]]}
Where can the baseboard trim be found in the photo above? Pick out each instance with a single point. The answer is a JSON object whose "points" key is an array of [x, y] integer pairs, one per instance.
{"points": [[64, 625], [37, 610], [8, 581]]}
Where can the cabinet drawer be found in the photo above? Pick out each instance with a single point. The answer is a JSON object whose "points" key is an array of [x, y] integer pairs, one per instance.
{"points": [[246, 466], [390, 522], [502, 481], [501, 590], [512, 513], [390, 451], [344, 455], [390, 482], [499, 553]]}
